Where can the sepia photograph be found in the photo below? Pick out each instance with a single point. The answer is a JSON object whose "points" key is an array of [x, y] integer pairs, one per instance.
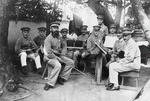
{"points": [[74, 50]]}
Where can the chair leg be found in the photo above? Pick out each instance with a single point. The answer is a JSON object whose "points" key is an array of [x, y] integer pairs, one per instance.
{"points": [[44, 71], [122, 82], [137, 82]]}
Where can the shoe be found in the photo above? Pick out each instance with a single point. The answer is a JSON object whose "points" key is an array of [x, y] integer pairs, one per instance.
{"points": [[60, 81], [113, 88], [39, 71], [109, 85], [47, 87], [1, 92]]}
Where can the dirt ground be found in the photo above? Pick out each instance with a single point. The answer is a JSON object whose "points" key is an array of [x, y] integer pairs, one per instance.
{"points": [[77, 88]]}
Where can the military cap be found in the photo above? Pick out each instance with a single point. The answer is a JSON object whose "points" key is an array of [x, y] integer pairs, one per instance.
{"points": [[64, 30], [42, 29], [25, 28], [55, 24], [100, 17], [96, 27], [120, 30], [127, 31], [112, 26], [84, 27]]}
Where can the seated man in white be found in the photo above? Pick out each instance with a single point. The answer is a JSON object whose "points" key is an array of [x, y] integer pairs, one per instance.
{"points": [[131, 60]]}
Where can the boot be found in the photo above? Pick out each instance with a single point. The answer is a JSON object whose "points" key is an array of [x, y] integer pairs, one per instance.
{"points": [[60, 81], [24, 71], [39, 71]]}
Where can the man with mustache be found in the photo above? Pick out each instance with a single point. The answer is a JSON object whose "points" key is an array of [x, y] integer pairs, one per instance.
{"points": [[39, 41], [55, 57], [24, 47], [131, 60]]}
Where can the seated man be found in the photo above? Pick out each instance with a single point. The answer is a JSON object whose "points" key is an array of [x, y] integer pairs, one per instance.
{"points": [[83, 38], [24, 47], [39, 41], [54, 54], [64, 40], [118, 47], [95, 37], [131, 60]]}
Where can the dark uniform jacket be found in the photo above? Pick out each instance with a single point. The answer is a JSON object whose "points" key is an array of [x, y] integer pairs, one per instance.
{"points": [[23, 44], [39, 40]]}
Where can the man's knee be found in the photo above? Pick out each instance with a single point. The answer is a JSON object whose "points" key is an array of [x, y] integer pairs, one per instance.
{"points": [[76, 53], [23, 54]]}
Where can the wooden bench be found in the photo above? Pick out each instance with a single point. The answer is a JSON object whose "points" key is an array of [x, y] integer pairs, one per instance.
{"points": [[133, 73]]}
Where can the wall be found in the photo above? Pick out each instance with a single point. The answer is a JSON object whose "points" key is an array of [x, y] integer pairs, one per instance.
{"points": [[14, 31]]}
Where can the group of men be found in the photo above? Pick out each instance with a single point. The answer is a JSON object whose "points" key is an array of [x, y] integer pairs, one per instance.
{"points": [[124, 56]]}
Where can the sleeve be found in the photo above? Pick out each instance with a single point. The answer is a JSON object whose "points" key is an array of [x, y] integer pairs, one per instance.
{"points": [[106, 31], [35, 40], [64, 47], [18, 46], [114, 47], [34, 46], [129, 56], [89, 44], [48, 49]]}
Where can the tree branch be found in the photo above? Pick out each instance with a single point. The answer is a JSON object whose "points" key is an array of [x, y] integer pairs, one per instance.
{"points": [[110, 2], [126, 5]]}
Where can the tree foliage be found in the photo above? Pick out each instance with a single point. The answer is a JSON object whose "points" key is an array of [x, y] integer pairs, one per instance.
{"points": [[35, 10]]}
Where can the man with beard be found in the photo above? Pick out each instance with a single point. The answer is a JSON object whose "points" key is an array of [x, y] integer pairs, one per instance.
{"points": [[56, 59], [24, 47], [131, 60]]}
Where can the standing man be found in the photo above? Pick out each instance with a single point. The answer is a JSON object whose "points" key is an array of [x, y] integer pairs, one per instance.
{"points": [[131, 60], [104, 29], [55, 57], [112, 30], [24, 47]]}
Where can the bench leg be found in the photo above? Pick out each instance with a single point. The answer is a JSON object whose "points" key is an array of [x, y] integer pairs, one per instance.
{"points": [[44, 71], [122, 82]]}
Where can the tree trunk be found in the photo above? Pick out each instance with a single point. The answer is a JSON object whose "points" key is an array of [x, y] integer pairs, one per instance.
{"points": [[142, 17], [100, 9], [5, 63], [118, 12]]}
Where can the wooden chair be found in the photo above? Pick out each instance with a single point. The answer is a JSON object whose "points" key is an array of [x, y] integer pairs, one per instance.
{"points": [[133, 73]]}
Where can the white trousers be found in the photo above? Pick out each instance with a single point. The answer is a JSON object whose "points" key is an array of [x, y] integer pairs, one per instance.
{"points": [[24, 56], [114, 69]]}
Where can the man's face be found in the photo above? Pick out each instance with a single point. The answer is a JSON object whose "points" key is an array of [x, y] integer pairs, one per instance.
{"points": [[25, 34], [119, 35], [112, 30], [64, 34], [42, 33], [96, 33], [126, 38], [55, 31], [100, 21], [54, 28]]}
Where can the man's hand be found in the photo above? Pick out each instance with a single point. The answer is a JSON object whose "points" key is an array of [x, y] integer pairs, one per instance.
{"points": [[28, 50], [36, 54]]}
